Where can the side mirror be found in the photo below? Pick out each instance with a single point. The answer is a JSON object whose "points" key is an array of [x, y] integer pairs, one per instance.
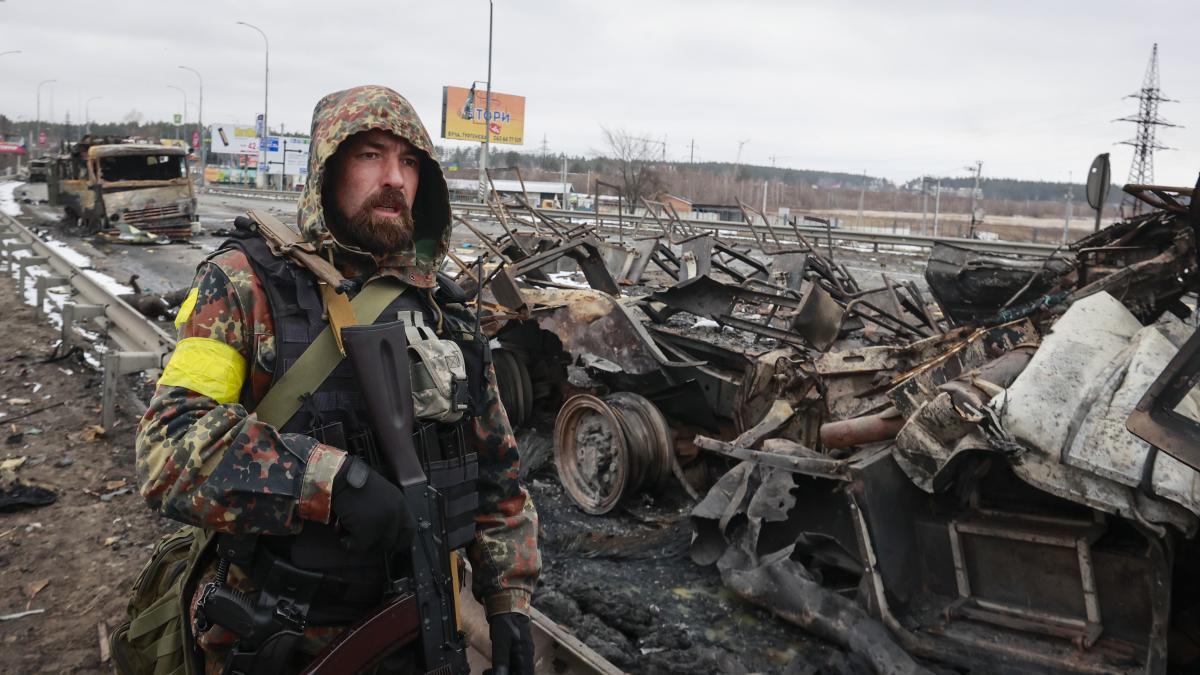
{"points": [[1098, 181]]}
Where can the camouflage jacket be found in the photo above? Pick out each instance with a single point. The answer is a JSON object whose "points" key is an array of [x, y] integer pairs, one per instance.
{"points": [[203, 458]]}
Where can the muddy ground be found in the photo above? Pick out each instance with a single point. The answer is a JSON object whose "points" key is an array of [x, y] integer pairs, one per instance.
{"points": [[75, 558], [624, 584]]}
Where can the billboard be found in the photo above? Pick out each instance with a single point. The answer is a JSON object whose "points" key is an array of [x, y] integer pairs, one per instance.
{"points": [[463, 112], [223, 174], [232, 139]]}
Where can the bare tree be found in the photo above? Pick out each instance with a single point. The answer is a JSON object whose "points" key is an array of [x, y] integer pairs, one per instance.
{"points": [[639, 177]]}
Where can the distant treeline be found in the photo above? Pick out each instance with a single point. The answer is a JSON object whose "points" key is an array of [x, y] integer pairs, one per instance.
{"points": [[460, 157], [1004, 189]]}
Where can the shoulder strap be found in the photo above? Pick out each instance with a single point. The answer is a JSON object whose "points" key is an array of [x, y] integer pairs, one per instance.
{"points": [[287, 243], [323, 355]]}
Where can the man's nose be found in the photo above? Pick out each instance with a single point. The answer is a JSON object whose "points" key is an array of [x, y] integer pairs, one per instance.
{"points": [[394, 174]]}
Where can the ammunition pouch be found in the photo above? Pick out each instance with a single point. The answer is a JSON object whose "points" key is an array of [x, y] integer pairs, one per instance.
{"points": [[157, 639], [452, 473], [438, 372]]}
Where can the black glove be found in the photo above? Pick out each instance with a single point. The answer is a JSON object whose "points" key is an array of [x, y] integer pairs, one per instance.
{"points": [[370, 510], [512, 644]]}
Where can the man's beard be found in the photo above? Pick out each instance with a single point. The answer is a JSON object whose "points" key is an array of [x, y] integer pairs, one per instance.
{"points": [[378, 235]]}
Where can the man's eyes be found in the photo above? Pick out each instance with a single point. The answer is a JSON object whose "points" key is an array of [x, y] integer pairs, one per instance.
{"points": [[372, 154]]}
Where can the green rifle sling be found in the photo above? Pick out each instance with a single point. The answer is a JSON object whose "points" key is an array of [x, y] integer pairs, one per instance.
{"points": [[322, 356]]}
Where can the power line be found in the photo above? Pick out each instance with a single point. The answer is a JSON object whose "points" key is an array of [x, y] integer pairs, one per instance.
{"points": [[1141, 169], [977, 169]]}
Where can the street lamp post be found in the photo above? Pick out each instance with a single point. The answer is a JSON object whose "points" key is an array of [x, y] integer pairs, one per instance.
{"points": [[14, 51], [487, 114], [38, 135], [261, 174], [87, 113], [200, 124], [182, 118]]}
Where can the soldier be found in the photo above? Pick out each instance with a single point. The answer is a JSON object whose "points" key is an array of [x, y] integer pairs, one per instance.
{"points": [[211, 454]]}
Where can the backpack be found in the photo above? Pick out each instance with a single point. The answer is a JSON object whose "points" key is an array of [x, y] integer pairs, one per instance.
{"points": [[157, 639]]}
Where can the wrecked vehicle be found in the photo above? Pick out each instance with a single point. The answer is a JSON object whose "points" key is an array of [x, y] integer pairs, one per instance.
{"points": [[943, 478], [105, 183], [1010, 526], [39, 170]]}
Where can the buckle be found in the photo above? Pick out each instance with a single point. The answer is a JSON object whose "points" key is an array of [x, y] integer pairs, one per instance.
{"points": [[460, 394], [290, 616]]}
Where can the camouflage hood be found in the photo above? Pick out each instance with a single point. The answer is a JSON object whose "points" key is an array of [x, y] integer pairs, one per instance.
{"points": [[339, 116]]}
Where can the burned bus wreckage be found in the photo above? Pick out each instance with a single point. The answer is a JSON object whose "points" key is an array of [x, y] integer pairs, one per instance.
{"points": [[917, 479]]}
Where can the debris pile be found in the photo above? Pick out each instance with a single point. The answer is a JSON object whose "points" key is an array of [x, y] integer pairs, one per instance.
{"points": [[946, 478]]}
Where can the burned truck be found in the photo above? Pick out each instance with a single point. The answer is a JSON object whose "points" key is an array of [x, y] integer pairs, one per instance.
{"points": [[107, 183]]}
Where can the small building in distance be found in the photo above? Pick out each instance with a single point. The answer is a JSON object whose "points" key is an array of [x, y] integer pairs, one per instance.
{"points": [[681, 205], [720, 212], [541, 193]]}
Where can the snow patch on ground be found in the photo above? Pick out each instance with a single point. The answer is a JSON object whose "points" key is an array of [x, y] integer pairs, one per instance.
{"points": [[57, 296], [108, 283], [568, 279], [8, 203], [74, 257]]}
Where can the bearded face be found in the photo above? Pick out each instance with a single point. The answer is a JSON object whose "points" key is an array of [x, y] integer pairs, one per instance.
{"points": [[370, 185], [382, 225]]}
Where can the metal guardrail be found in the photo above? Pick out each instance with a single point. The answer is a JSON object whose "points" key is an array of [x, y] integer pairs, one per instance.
{"points": [[638, 225], [252, 193], [140, 344]]}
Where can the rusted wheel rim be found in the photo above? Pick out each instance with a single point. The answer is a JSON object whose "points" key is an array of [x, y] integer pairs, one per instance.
{"points": [[591, 454], [649, 437]]}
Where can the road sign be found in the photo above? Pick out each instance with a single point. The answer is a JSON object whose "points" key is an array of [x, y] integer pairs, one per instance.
{"points": [[178, 119], [196, 139], [41, 138]]}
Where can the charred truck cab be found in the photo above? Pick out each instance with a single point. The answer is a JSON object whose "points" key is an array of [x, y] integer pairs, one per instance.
{"points": [[106, 183]]}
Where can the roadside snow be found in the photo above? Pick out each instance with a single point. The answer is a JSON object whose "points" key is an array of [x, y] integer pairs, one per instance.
{"points": [[8, 204], [56, 297], [74, 257]]}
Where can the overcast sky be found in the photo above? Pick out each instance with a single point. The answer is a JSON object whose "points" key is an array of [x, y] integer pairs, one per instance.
{"points": [[1030, 87]]}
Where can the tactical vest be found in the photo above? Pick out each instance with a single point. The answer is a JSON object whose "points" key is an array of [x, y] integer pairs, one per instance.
{"points": [[335, 414]]}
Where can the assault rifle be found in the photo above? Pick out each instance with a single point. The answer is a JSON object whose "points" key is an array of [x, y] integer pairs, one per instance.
{"points": [[424, 593]]}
